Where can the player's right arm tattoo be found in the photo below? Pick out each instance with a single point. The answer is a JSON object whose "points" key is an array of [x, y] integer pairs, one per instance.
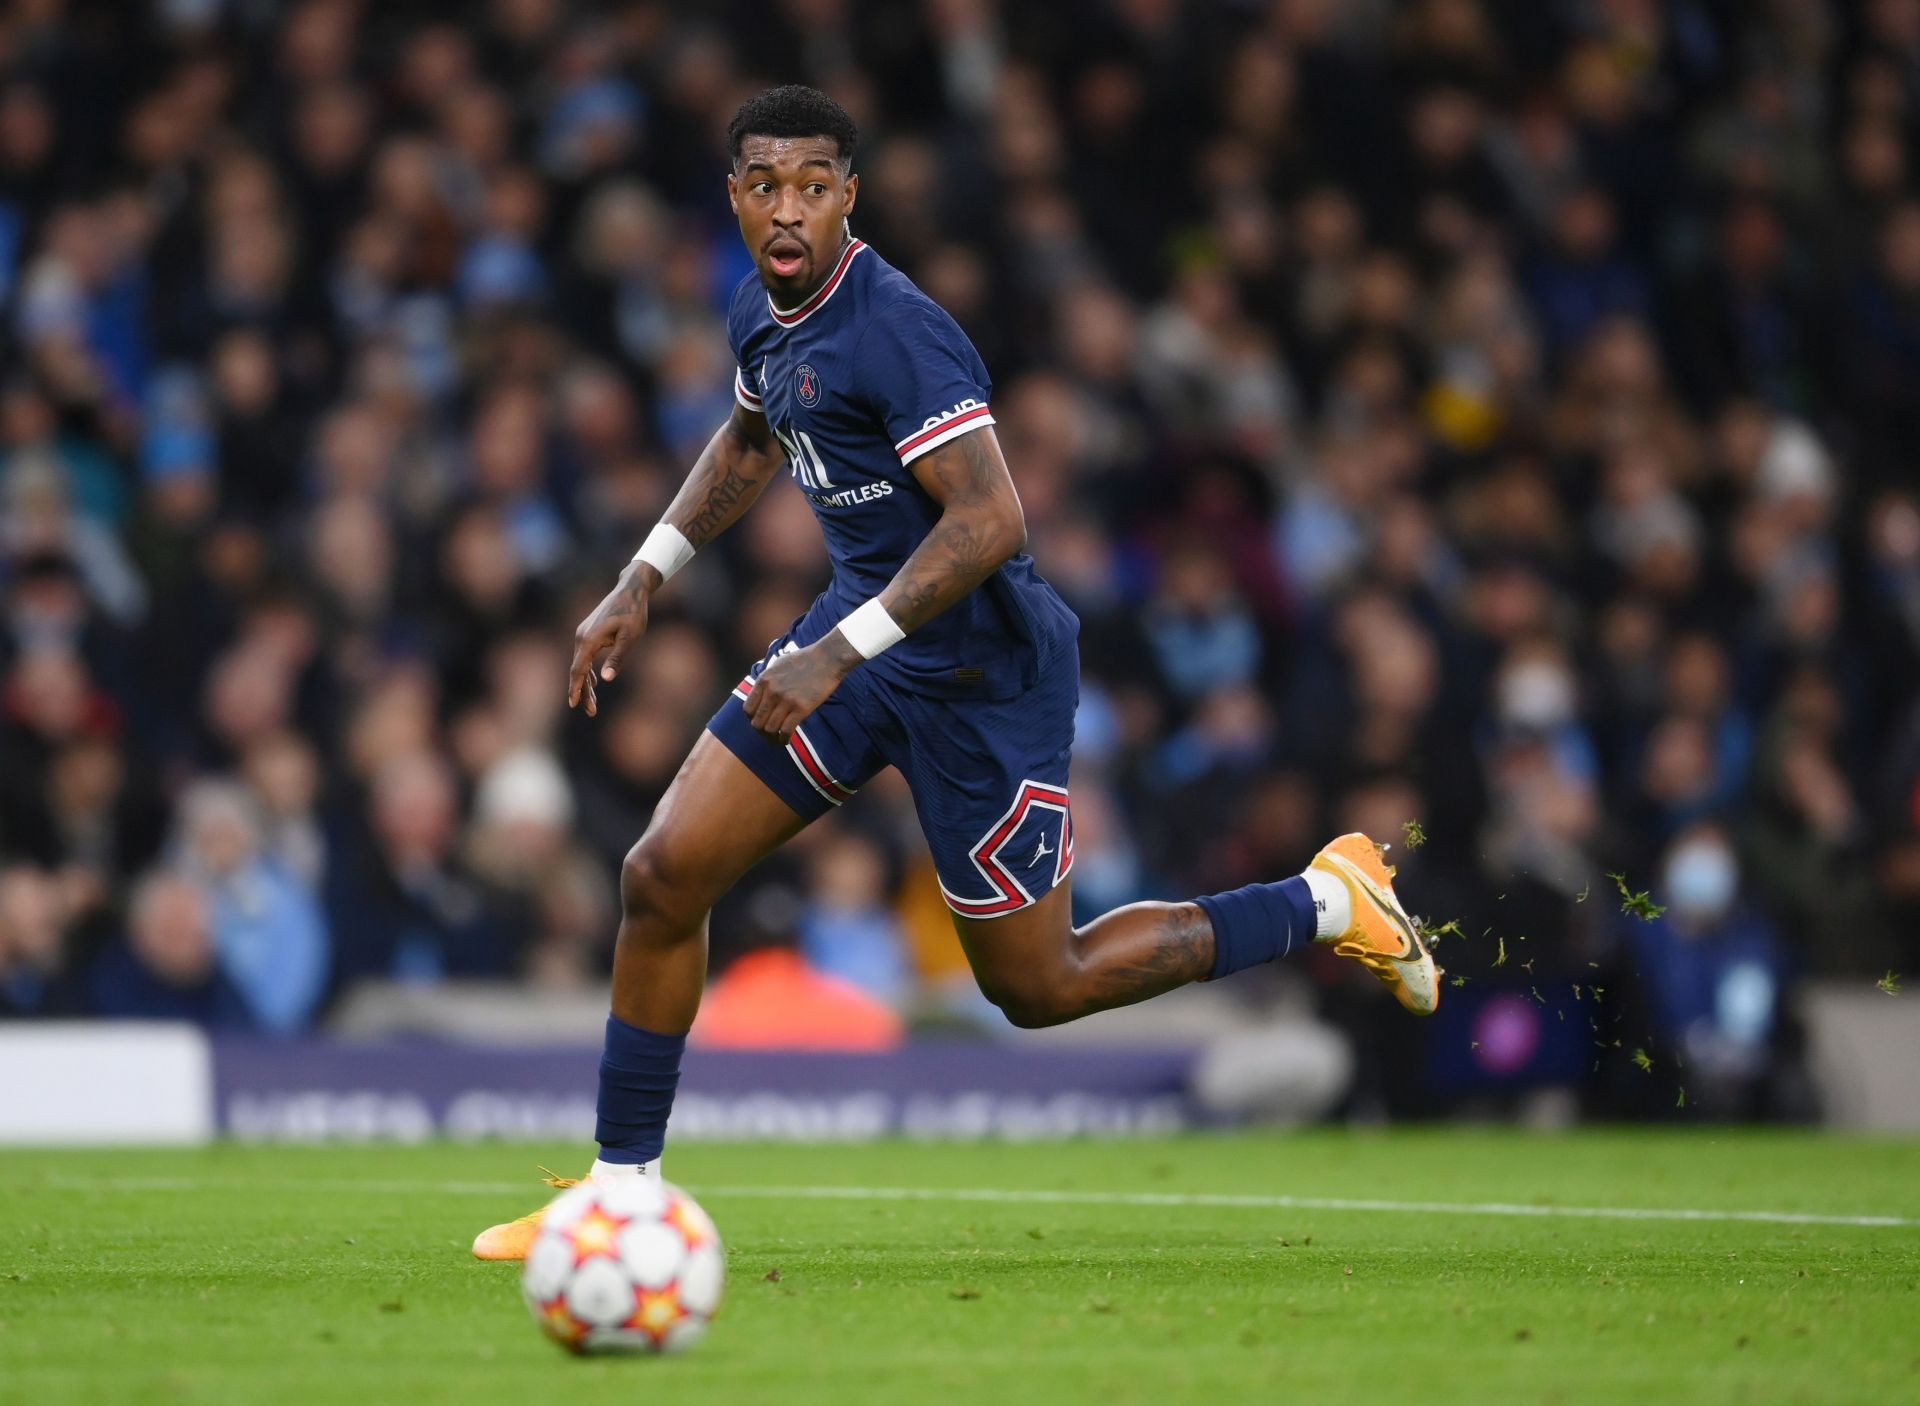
{"points": [[738, 462], [980, 526], [733, 490]]}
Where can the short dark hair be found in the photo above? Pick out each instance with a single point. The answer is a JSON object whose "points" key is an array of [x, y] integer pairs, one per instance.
{"points": [[793, 110]]}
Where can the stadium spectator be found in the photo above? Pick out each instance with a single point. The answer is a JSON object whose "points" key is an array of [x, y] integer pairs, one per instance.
{"points": [[1715, 972], [166, 967], [36, 978], [267, 929], [402, 905]]}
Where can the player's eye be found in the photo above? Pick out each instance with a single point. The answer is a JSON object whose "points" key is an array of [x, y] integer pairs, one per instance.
{"points": [[762, 187], [816, 189]]}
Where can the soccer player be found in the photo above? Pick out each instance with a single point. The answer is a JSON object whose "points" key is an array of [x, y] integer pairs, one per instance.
{"points": [[937, 648]]}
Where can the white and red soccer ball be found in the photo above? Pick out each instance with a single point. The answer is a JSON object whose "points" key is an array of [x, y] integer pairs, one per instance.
{"points": [[632, 1265]]}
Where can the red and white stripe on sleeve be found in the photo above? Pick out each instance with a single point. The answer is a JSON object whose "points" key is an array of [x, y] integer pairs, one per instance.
{"points": [[948, 427]]}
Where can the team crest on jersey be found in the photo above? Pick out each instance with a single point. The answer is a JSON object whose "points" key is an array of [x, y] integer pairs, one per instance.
{"points": [[806, 384]]}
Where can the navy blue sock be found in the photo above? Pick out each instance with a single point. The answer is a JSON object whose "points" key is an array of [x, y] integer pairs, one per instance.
{"points": [[1258, 923], [639, 1071]]}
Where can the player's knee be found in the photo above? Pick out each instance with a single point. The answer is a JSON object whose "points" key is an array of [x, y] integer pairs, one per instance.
{"points": [[1027, 1015], [651, 885], [1032, 999]]}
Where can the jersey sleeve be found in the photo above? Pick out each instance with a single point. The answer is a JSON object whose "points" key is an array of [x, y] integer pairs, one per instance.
{"points": [[742, 393], [746, 362], [922, 377]]}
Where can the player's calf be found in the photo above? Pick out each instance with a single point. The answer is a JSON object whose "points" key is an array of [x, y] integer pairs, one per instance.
{"points": [[659, 969], [1040, 970]]}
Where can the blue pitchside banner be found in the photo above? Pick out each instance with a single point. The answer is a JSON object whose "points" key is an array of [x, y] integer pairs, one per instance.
{"points": [[272, 1091]]}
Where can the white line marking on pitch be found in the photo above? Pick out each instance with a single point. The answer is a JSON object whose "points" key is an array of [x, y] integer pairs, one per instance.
{"points": [[1020, 1197]]}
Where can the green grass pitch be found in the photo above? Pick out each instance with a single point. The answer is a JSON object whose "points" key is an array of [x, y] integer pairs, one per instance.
{"points": [[259, 1275]]}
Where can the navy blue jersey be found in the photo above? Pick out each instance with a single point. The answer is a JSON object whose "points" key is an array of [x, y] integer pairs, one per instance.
{"points": [[858, 382]]}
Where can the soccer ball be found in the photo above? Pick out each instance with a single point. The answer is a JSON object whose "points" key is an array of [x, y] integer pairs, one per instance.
{"points": [[632, 1265]]}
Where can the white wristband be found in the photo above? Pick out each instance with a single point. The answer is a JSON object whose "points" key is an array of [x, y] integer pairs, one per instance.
{"points": [[870, 630], [666, 550]]}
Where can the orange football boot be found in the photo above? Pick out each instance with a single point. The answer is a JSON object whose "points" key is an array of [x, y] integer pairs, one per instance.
{"points": [[1382, 938], [514, 1239]]}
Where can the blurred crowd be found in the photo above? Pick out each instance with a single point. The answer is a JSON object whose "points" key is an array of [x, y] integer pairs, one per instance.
{"points": [[1497, 416]]}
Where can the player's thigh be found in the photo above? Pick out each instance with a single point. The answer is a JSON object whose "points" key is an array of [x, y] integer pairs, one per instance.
{"points": [[716, 821]]}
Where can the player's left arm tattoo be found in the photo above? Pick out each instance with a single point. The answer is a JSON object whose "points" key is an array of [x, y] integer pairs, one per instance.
{"points": [[980, 527]]}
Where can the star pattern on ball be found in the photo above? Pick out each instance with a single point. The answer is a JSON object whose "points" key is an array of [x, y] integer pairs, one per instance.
{"points": [[688, 1222], [594, 1234], [656, 1310], [558, 1320]]}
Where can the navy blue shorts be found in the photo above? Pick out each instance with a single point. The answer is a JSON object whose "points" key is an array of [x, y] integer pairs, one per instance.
{"points": [[988, 777]]}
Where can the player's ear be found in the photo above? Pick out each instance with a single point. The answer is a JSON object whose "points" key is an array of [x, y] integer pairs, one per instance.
{"points": [[853, 193], [733, 192]]}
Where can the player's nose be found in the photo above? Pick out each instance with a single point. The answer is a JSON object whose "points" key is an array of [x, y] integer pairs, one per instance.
{"points": [[787, 210]]}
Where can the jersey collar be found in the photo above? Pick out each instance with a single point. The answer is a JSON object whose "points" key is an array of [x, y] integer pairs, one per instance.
{"points": [[793, 317]]}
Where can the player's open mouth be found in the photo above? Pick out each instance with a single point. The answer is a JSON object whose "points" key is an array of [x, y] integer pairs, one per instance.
{"points": [[786, 258]]}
